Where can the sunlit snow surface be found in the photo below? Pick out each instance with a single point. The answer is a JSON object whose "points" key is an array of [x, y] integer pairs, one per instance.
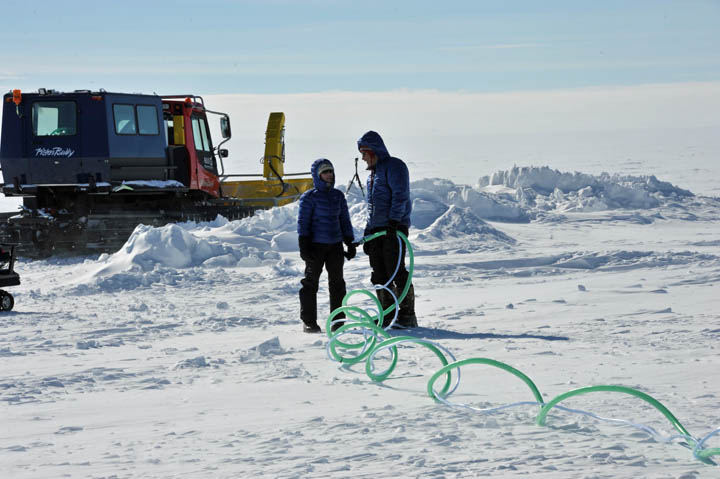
{"points": [[181, 355]]}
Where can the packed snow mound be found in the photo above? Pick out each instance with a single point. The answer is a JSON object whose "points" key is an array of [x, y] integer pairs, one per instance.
{"points": [[433, 196], [544, 189], [169, 245], [545, 180], [153, 254], [459, 222], [267, 223]]}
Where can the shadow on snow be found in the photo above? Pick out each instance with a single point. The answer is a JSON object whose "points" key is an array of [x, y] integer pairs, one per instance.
{"points": [[435, 334]]}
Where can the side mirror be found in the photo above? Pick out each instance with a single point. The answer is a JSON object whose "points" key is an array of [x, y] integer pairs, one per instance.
{"points": [[223, 153], [225, 126]]}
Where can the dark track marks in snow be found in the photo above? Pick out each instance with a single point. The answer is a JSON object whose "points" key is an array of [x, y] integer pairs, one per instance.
{"points": [[439, 334]]}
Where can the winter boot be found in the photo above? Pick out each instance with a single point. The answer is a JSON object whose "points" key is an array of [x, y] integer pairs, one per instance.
{"points": [[406, 317], [311, 328], [386, 300]]}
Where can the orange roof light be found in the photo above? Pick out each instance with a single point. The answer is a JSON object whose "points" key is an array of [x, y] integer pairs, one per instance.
{"points": [[17, 97]]}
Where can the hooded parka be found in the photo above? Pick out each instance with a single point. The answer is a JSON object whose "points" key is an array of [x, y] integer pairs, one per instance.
{"points": [[323, 212], [388, 186]]}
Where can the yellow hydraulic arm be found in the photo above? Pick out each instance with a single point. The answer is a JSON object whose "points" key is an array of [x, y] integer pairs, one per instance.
{"points": [[274, 189], [274, 160]]}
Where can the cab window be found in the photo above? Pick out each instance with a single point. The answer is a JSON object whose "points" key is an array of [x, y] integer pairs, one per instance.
{"points": [[54, 118], [124, 119], [205, 137], [200, 135], [147, 120], [203, 146]]}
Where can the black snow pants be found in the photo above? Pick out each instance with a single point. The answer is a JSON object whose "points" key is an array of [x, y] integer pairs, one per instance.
{"points": [[330, 256], [383, 254]]}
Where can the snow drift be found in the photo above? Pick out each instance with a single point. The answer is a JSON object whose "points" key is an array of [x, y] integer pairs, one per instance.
{"points": [[446, 217]]}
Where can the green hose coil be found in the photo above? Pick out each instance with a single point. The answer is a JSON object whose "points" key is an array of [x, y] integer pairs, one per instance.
{"points": [[375, 339]]}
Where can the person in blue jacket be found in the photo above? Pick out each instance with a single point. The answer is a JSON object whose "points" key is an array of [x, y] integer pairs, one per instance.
{"points": [[389, 208], [323, 225]]}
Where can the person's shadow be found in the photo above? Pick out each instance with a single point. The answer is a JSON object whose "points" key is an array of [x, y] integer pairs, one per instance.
{"points": [[437, 334]]}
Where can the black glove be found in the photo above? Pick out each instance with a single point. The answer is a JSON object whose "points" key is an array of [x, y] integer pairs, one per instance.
{"points": [[351, 248], [306, 248], [392, 229]]}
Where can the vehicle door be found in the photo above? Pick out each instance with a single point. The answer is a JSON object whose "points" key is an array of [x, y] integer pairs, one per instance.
{"points": [[207, 165], [54, 150]]}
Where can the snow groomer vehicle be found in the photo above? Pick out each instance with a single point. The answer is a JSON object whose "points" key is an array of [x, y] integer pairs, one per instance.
{"points": [[8, 276], [92, 165]]}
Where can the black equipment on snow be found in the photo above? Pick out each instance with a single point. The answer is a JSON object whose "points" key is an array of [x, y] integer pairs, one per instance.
{"points": [[353, 179]]}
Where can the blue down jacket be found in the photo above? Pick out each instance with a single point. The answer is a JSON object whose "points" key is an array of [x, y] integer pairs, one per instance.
{"points": [[388, 186], [323, 213]]}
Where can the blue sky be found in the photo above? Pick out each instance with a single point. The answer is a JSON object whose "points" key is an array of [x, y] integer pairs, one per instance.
{"points": [[283, 46]]}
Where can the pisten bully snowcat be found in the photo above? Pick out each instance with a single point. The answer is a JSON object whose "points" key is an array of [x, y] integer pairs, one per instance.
{"points": [[92, 165]]}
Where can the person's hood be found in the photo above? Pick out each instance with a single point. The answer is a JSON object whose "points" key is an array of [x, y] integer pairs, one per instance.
{"points": [[375, 142], [315, 171]]}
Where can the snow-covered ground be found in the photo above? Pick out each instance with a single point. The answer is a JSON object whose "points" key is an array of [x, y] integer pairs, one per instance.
{"points": [[182, 355]]}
